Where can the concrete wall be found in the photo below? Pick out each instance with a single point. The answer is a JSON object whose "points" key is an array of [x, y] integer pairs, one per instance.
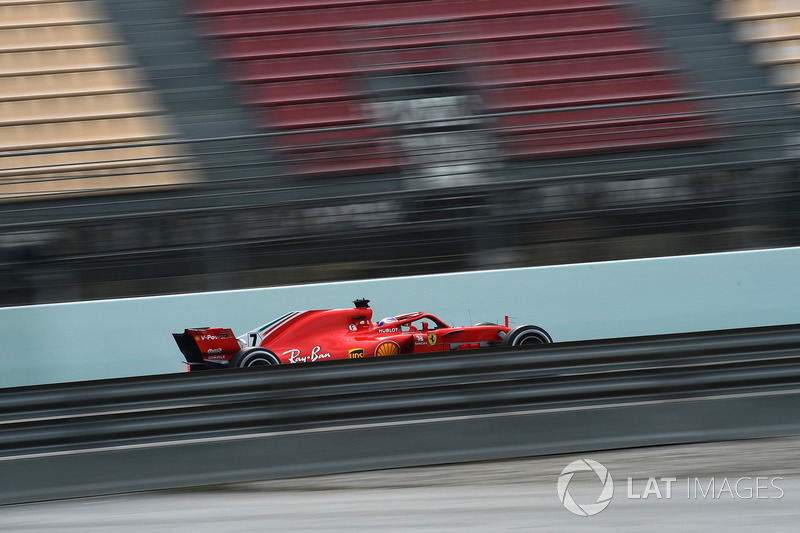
{"points": [[116, 338]]}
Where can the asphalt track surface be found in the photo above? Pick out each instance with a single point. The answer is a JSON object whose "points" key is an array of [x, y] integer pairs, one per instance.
{"points": [[513, 495]]}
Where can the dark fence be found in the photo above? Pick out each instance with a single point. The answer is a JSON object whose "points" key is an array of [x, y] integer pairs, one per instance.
{"points": [[472, 208]]}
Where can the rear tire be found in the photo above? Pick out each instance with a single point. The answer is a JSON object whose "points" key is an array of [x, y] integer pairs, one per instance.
{"points": [[256, 356], [526, 336]]}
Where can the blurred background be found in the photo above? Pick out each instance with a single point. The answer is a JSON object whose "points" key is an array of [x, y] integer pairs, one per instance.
{"points": [[152, 146]]}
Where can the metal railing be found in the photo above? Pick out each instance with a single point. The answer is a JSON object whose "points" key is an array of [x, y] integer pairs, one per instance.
{"points": [[226, 426]]}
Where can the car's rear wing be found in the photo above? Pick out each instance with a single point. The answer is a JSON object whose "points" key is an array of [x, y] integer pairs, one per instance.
{"points": [[207, 347]]}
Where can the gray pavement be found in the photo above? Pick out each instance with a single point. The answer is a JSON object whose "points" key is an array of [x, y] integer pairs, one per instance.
{"points": [[512, 495]]}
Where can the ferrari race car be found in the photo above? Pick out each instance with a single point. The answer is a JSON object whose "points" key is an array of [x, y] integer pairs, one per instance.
{"points": [[328, 334]]}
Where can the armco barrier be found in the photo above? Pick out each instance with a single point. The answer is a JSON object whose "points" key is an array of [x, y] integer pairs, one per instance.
{"points": [[156, 432], [132, 337]]}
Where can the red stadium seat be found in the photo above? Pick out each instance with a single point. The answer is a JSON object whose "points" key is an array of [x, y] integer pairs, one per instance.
{"points": [[293, 92], [341, 150], [303, 61], [286, 21], [583, 93], [303, 141], [316, 115], [602, 67], [265, 46], [345, 151], [552, 25], [403, 36], [616, 138], [407, 59], [294, 68], [425, 34], [229, 7], [621, 115], [223, 7], [560, 47]]}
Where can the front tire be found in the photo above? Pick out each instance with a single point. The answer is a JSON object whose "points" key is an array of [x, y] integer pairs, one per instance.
{"points": [[526, 336], [250, 357]]}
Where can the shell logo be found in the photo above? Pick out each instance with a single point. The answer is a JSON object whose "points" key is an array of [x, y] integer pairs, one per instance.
{"points": [[387, 348]]}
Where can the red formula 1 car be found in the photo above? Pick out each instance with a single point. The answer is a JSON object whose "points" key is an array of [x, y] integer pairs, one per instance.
{"points": [[321, 335]]}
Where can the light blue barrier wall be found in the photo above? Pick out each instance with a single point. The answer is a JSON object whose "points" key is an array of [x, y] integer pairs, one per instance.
{"points": [[116, 338]]}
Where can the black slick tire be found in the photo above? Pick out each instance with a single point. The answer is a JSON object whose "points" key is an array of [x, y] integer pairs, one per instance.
{"points": [[254, 356], [526, 336]]}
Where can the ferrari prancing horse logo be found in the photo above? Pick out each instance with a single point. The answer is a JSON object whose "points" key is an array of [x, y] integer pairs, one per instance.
{"points": [[431, 338]]}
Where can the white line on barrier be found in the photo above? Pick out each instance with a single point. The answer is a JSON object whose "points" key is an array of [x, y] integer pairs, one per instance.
{"points": [[100, 413]]}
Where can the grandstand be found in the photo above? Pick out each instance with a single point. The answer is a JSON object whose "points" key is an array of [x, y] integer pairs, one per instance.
{"points": [[772, 27], [152, 146], [68, 82], [310, 65]]}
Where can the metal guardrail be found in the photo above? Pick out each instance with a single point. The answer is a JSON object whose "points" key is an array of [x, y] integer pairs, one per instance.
{"points": [[157, 432]]}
